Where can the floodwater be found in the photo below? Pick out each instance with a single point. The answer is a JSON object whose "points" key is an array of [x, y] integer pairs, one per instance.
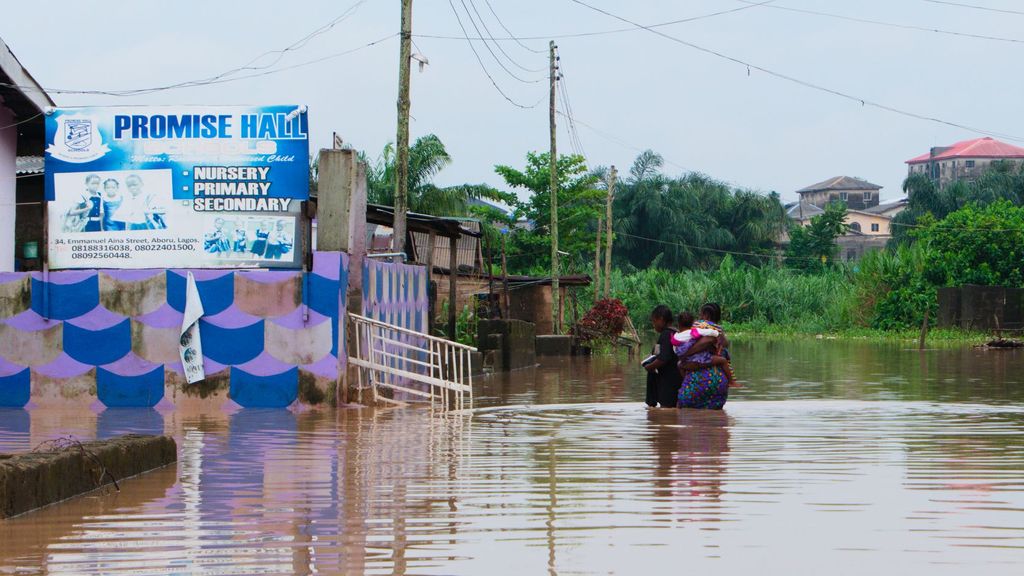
{"points": [[837, 458]]}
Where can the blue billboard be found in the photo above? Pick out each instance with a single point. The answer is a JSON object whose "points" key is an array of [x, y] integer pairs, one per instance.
{"points": [[176, 186]]}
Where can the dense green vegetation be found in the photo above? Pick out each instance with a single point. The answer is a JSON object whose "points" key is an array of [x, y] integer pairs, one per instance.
{"points": [[686, 240]]}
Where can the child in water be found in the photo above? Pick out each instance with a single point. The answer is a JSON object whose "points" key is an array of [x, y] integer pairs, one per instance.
{"points": [[690, 331]]}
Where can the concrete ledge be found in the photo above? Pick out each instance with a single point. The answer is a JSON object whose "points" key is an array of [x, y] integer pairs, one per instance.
{"points": [[36, 479], [554, 345]]}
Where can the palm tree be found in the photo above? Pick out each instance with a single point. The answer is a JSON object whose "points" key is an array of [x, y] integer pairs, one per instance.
{"points": [[427, 157], [690, 221]]}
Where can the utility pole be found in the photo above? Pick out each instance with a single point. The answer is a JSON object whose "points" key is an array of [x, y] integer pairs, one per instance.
{"points": [[504, 280], [556, 312], [597, 260], [608, 221], [402, 140]]}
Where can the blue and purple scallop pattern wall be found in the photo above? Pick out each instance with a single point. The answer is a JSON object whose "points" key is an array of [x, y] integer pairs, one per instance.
{"points": [[110, 337]]}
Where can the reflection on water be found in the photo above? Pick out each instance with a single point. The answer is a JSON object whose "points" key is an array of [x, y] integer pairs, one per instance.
{"points": [[837, 458]]}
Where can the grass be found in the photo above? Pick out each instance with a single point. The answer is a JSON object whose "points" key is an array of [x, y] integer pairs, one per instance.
{"points": [[775, 303], [936, 336]]}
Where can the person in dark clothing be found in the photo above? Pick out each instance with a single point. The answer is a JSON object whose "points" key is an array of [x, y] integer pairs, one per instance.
{"points": [[663, 379]]}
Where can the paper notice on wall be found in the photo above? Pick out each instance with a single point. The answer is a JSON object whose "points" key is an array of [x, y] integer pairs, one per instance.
{"points": [[190, 345]]}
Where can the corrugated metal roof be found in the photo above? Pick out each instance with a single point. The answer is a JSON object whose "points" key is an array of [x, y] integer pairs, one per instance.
{"points": [[29, 165], [468, 253], [977, 148]]}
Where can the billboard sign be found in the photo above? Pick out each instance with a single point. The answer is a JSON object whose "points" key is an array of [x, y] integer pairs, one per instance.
{"points": [[176, 187]]}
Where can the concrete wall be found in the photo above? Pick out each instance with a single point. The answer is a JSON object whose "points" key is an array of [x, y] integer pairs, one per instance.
{"points": [[855, 199], [533, 304], [270, 338], [853, 247], [953, 169], [864, 221], [512, 341], [981, 307]]}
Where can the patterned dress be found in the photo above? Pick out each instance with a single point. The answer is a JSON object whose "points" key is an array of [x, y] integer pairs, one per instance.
{"points": [[706, 388]]}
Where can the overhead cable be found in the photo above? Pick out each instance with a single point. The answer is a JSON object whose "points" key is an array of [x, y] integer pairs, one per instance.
{"points": [[750, 66]]}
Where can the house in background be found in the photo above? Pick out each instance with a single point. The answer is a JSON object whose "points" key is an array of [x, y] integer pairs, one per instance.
{"points": [[869, 220], [964, 160], [858, 194]]}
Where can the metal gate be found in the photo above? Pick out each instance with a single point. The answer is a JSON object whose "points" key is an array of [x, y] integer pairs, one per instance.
{"points": [[413, 365]]}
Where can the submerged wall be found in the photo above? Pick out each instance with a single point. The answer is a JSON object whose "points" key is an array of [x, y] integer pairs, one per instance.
{"points": [[270, 338]]}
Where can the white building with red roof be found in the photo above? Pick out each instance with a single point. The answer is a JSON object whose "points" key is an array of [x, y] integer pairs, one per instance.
{"points": [[964, 160]]}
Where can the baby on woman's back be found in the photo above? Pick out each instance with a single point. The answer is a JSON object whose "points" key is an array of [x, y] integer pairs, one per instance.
{"points": [[692, 330]]}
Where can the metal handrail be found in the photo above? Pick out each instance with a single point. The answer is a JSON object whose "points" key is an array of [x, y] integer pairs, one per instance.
{"points": [[392, 357], [411, 332]]}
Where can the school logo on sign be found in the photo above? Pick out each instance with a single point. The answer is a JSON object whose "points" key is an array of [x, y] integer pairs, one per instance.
{"points": [[77, 140], [78, 134]]}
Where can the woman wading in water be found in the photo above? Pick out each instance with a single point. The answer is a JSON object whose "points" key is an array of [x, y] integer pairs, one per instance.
{"points": [[705, 380]]}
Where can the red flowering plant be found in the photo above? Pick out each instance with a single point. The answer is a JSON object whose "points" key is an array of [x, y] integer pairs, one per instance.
{"points": [[605, 321]]}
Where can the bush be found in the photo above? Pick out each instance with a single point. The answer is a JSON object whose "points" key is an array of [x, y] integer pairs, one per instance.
{"points": [[977, 245], [604, 321], [748, 295]]}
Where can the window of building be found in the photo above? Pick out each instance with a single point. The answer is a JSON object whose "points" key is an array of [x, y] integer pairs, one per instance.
{"points": [[874, 227], [851, 254], [867, 197], [855, 226], [843, 196], [969, 163]]}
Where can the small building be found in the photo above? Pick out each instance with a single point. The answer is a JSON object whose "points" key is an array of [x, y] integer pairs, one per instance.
{"points": [[23, 104], [964, 160], [858, 194], [870, 221]]}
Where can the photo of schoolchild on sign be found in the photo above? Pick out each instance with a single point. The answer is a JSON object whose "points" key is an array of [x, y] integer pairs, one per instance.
{"points": [[188, 187]]}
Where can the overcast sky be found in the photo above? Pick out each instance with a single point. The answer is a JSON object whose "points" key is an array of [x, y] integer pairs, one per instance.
{"points": [[638, 89]]}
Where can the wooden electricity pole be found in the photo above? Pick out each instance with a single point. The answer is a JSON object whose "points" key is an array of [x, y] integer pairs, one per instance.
{"points": [[608, 233], [597, 260], [556, 312], [402, 140]]}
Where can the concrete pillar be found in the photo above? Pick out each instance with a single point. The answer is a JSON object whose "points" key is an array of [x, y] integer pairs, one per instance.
{"points": [[8, 187], [341, 214]]}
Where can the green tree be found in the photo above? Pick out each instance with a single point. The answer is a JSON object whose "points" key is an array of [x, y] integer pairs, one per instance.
{"points": [[1002, 181], [427, 157], [580, 201], [690, 221], [977, 245], [814, 246]]}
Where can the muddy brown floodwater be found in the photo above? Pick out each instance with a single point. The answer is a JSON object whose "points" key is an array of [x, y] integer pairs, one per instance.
{"points": [[836, 458]]}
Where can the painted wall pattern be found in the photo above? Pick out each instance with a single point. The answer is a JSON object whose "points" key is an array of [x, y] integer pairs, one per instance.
{"points": [[395, 294], [270, 338]]}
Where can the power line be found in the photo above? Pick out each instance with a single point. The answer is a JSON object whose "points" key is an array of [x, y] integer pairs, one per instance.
{"points": [[975, 6], [804, 83], [509, 32], [29, 119], [498, 44], [491, 50], [121, 93], [484, 68], [596, 32], [574, 134], [622, 143], [890, 24], [297, 45], [718, 250]]}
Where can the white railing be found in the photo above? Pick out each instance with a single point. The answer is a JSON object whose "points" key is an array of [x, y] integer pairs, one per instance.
{"points": [[417, 366]]}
